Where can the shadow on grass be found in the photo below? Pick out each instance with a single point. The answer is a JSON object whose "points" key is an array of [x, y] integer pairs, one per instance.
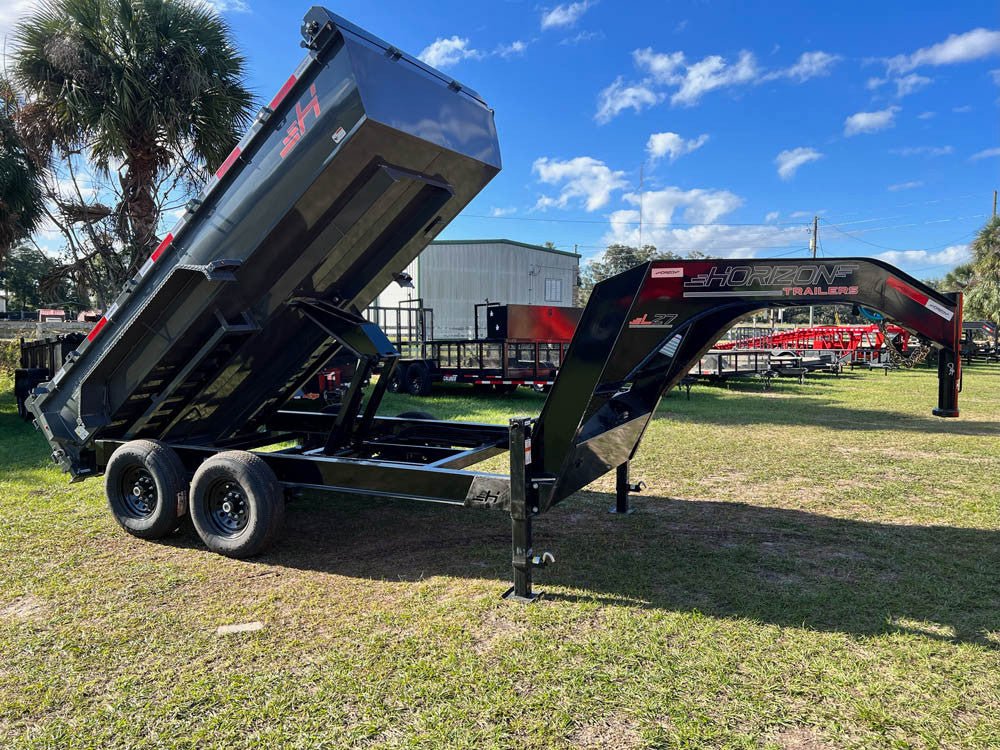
{"points": [[802, 408], [722, 559]]}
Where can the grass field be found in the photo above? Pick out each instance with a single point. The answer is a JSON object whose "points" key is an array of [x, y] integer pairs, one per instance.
{"points": [[813, 567]]}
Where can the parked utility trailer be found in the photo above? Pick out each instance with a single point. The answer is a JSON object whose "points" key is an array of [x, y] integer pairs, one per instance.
{"points": [[40, 359], [514, 345], [355, 166], [980, 338]]}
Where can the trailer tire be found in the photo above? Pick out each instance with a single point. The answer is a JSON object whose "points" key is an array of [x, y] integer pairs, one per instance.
{"points": [[237, 504], [395, 384], [146, 486], [419, 381]]}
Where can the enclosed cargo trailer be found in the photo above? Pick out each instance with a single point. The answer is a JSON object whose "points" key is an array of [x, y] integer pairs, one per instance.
{"points": [[358, 162]]}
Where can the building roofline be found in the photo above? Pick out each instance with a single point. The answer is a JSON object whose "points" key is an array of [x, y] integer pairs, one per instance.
{"points": [[542, 248]]}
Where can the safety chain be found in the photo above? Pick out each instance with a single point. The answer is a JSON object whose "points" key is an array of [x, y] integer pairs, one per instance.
{"points": [[916, 357]]}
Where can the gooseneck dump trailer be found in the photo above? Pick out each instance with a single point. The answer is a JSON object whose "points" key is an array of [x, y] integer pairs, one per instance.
{"points": [[360, 160]]}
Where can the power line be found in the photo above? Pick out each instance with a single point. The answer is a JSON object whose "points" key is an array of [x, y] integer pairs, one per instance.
{"points": [[626, 222]]}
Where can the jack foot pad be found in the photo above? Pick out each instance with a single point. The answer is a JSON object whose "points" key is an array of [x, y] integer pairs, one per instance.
{"points": [[510, 596]]}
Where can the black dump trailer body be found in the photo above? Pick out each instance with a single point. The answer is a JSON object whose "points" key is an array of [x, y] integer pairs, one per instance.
{"points": [[358, 163], [360, 160]]}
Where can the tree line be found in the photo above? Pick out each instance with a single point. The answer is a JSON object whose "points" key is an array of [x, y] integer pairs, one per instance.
{"points": [[113, 113]]}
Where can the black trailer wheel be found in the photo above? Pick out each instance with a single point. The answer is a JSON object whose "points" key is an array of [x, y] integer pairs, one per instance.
{"points": [[237, 504], [504, 389], [146, 486], [418, 379], [395, 384]]}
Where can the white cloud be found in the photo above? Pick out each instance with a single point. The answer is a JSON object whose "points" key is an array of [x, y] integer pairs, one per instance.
{"points": [[923, 151], [618, 97], [226, 6], [712, 73], [985, 154], [672, 145], [926, 115], [905, 186], [910, 83], [803, 214], [996, 76], [703, 207], [583, 179], [583, 36], [963, 110], [565, 15], [662, 66], [950, 256], [809, 65], [870, 122], [11, 11], [446, 51], [516, 47], [687, 83], [957, 48], [790, 160], [498, 212], [905, 85], [771, 216]]}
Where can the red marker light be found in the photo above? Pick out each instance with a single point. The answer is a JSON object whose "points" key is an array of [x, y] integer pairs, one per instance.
{"points": [[97, 329], [230, 160], [282, 92], [161, 247]]}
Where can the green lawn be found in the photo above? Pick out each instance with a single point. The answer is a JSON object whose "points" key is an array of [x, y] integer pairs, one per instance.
{"points": [[812, 567]]}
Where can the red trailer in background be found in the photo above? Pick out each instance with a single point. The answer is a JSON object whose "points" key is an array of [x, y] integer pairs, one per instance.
{"points": [[846, 338]]}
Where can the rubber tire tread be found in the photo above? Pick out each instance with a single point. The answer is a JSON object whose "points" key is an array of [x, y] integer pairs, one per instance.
{"points": [[169, 475], [264, 493]]}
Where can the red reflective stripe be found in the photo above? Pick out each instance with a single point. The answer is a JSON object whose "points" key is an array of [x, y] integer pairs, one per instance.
{"points": [[282, 92], [230, 160], [97, 329], [161, 247], [908, 290]]}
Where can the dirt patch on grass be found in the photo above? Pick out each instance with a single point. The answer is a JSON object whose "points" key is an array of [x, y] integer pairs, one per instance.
{"points": [[800, 738], [25, 608], [616, 733]]}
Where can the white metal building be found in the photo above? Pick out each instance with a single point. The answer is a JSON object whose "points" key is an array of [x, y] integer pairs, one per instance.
{"points": [[451, 276]]}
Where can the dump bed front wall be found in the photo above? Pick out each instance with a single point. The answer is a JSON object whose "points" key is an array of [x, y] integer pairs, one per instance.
{"points": [[343, 187]]}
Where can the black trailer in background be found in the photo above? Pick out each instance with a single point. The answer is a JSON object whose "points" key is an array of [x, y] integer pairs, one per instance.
{"points": [[177, 396], [513, 345], [980, 340]]}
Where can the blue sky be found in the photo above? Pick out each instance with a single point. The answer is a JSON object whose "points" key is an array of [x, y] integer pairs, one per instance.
{"points": [[744, 119]]}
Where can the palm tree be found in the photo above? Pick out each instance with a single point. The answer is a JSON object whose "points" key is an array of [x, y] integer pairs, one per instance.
{"points": [[983, 295], [20, 186], [140, 86]]}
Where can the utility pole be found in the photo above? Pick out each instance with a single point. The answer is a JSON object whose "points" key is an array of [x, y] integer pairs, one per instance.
{"points": [[994, 204], [813, 244], [641, 170]]}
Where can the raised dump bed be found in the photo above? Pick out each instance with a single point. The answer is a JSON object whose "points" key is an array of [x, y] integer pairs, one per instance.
{"points": [[355, 166], [357, 163]]}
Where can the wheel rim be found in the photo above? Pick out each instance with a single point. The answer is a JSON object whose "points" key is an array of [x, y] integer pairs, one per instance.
{"points": [[228, 508], [138, 492]]}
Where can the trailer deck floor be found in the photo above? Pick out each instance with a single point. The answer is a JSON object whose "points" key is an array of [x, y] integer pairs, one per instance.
{"points": [[811, 567]]}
